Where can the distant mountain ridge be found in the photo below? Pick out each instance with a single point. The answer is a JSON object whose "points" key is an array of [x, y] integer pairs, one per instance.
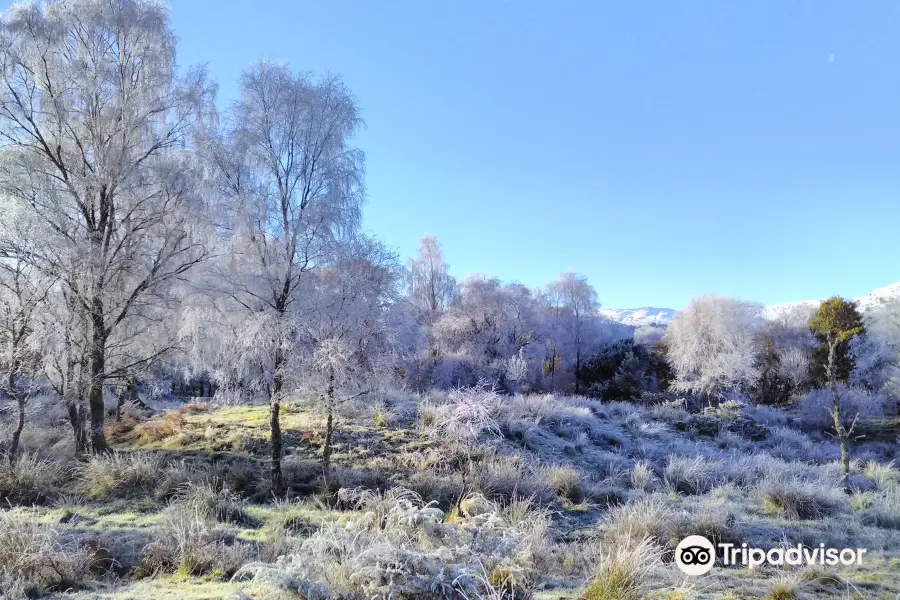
{"points": [[636, 317], [648, 315]]}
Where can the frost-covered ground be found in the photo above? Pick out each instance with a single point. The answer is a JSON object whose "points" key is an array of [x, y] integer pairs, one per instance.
{"points": [[464, 495]]}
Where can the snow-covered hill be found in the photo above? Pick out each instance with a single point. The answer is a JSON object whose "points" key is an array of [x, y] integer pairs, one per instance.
{"points": [[874, 298], [639, 316]]}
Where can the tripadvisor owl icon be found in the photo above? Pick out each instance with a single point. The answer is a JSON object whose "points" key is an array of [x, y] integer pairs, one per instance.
{"points": [[695, 555]]}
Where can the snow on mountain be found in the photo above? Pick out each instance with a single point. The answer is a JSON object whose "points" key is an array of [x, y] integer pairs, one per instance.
{"points": [[639, 316], [873, 298]]}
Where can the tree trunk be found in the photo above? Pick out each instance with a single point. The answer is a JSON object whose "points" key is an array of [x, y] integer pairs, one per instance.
{"points": [[577, 369], [120, 402], [76, 419], [275, 425], [841, 431], [95, 383], [329, 427], [14, 445], [72, 393]]}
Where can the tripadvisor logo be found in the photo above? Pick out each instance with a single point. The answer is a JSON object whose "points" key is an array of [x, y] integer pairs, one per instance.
{"points": [[696, 555]]}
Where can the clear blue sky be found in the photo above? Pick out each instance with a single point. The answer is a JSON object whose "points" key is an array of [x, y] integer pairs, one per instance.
{"points": [[662, 149]]}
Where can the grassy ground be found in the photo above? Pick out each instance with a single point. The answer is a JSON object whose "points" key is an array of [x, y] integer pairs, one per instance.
{"points": [[563, 489]]}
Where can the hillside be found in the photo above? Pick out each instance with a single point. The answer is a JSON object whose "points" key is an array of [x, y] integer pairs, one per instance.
{"points": [[563, 497]]}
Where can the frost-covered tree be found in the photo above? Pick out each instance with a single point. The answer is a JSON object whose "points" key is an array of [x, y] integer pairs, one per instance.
{"points": [[487, 324], [431, 287], [23, 292], [712, 345], [95, 122], [293, 187], [876, 354], [571, 310], [344, 327]]}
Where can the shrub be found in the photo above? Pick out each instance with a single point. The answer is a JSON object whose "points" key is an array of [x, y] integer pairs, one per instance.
{"points": [[117, 474], [621, 371], [796, 500], [692, 475], [28, 479], [625, 573]]}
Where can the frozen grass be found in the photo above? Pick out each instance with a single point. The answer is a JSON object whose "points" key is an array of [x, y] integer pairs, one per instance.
{"points": [[883, 475], [207, 501], [665, 522], [190, 547], [625, 572], [400, 546], [797, 500], [695, 475], [37, 559], [117, 474], [29, 479], [557, 493], [883, 510], [642, 476]]}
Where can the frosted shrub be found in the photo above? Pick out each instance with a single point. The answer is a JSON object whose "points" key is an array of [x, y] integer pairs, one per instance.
{"points": [[467, 414]]}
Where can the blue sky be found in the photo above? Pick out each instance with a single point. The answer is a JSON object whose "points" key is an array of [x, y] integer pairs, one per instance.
{"points": [[661, 149]]}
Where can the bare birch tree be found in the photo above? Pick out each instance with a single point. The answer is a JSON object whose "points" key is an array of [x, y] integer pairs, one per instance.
{"points": [[96, 125], [295, 186]]}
